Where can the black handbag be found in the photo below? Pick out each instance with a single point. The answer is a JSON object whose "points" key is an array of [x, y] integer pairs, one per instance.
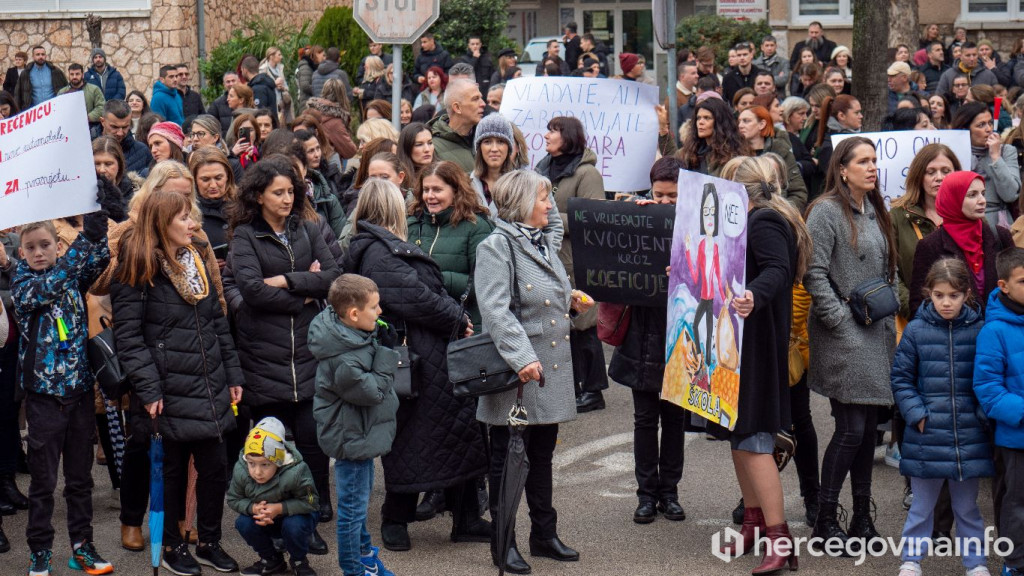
{"points": [[870, 301], [475, 368], [403, 375], [104, 363]]}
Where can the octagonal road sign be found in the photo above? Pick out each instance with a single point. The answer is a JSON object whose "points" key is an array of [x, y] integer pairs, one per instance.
{"points": [[395, 21]]}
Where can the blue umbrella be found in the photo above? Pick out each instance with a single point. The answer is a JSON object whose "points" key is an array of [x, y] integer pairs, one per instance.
{"points": [[156, 497]]}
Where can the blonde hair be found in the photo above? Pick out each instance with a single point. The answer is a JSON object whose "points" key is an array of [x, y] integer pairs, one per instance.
{"points": [[158, 177], [760, 176], [374, 68], [381, 203], [376, 128]]}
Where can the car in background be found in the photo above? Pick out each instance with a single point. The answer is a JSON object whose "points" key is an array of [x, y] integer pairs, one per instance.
{"points": [[535, 51]]}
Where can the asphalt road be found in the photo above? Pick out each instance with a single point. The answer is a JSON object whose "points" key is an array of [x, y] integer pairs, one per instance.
{"points": [[595, 498]]}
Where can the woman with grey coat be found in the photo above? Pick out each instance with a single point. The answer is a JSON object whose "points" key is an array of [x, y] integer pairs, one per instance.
{"points": [[849, 362], [535, 343]]}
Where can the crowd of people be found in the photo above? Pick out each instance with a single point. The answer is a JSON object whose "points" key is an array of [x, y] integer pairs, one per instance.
{"points": [[270, 273]]}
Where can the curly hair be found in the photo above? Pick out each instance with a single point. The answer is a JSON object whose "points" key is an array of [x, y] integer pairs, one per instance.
{"points": [[724, 144], [258, 177]]}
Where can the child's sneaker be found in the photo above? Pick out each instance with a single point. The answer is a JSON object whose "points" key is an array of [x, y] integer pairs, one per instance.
{"points": [[302, 568], [39, 563], [85, 558], [267, 566], [373, 564], [908, 498], [910, 569], [979, 571]]}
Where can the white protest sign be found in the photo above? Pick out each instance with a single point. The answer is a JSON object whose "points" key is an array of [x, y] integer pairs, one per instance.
{"points": [[46, 167], [618, 116], [896, 150]]}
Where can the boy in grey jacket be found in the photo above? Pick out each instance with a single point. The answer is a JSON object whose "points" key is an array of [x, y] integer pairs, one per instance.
{"points": [[354, 408]]}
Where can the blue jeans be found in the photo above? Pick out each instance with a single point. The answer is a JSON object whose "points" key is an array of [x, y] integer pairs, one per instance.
{"points": [[294, 530], [918, 529], [354, 481]]}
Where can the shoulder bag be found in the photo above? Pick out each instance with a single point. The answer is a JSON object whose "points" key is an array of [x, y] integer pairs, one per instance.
{"points": [[102, 353], [613, 322], [475, 368], [403, 375], [870, 301]]}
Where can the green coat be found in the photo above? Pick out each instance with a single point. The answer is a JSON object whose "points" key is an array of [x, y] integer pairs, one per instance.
{"points": [[94, 100], [449, 145], [903, 221], [326, 203], [355, 402], [292, 487], [454, 250]]}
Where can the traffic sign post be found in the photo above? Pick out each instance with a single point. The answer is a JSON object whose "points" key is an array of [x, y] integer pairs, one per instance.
{"points": [[396, 22]]}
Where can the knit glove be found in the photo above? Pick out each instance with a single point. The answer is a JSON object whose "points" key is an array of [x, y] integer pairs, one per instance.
{"points": [[94, 225], [113, 200], [387, 335]]}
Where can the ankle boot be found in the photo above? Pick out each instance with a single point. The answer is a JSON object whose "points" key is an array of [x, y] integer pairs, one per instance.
{"points": [[753, 520], [862, 525], [773, 562], [10, 492], [827, 528]]}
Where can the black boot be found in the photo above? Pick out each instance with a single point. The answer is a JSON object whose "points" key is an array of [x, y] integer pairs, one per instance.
{"points": [[5, 544], [737, 513], [395, 537], [514, 561], [431, 505], [862, 525], [826, 527], [811, 509], [9, 492]]}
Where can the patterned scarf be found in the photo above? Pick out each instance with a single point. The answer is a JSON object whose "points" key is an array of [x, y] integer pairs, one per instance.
{"points": [[536, 237], [190, 280]]}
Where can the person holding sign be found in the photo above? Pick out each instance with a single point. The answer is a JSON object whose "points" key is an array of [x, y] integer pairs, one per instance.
{"points": [[853, 245], [571, 168], [778, 253]]}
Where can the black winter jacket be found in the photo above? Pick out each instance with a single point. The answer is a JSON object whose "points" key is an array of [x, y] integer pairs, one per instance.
{"points": [[264, 92], [221, 111], [272, 323], [180, 353], [639, 362], [439, 442]]}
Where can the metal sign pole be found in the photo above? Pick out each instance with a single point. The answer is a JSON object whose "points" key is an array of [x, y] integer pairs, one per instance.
{"points": [[396, 87]]}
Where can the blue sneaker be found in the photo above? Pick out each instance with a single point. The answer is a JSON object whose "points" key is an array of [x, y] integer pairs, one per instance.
{"points": [[373, 563], [39, 563]]}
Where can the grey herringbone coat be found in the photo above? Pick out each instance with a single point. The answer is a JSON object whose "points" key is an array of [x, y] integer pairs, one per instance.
{"points": [[541, 334]]}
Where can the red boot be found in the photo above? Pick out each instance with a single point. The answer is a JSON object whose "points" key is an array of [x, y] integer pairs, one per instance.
{"points": [[753, 519], [773, 562]]}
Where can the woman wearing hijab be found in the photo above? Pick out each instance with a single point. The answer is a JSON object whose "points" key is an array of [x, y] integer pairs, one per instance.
{"points": [[961, 205]]}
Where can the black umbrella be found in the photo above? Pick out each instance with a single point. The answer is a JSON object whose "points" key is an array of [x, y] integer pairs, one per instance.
{"points": [[513, 477]]}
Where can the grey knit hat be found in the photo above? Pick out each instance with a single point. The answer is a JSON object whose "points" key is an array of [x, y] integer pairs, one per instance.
{"points": [[96, 51], [494, 126]]}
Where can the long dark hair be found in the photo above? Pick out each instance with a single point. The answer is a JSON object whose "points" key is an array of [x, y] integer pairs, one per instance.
{"points": [[406, 142], [725, 142], [574, 136], [967, 113], [258, 177], [839, 192], [465, 204]]}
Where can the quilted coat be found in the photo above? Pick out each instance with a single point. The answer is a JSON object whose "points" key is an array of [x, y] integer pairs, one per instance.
{"points": [[273, 323], [453, 248], [932, 379], [639, 362], [999, 369], [180, 353], [438, 442]]}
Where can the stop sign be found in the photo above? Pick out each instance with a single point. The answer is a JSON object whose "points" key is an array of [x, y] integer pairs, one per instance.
{"points": [[395, 21]]}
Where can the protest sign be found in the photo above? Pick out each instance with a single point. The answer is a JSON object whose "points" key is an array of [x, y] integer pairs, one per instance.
{"points": [[896, 150], [617, 115], [703, 344], [620, 250], [46, 163]]}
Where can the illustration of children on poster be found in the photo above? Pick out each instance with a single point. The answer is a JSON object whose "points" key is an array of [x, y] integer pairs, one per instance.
{"points": [[708, 266]]}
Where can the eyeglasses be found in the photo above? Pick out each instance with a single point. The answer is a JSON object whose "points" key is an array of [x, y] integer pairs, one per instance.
{"points": [[198, 135], [959, 85]]}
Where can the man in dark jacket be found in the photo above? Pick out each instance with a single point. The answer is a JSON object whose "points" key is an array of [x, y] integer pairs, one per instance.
{"points": [[816, 41], [572, 45], [39, 82], [375, 50], [481, 61], [935, 66], [598, 48], [105, 76], [431, 54], [771, 62], [166, 99], [14, 72], [330, 68], [967, 65], [264, 90], [219, 108], [743, 75], [554, 46], [117, 123], [191, 101]]}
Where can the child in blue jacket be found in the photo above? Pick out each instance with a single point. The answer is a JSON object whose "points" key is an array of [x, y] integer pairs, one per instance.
{"points": [[999, 384], [946, 437]]}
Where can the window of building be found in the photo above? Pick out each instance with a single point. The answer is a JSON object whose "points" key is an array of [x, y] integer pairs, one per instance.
{"points": [[991, 9], [834, 11], [60, 8]]}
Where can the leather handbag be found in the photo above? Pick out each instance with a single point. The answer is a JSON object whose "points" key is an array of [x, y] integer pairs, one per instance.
{"points": [[612, 322], [103, 361], [871, 300], [403, 375], [475, 368]]}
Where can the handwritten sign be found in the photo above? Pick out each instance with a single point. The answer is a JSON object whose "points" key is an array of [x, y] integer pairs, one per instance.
{"points": [[620, 250], [896, 150], [46, 167], [703, 345], [617, 115]]}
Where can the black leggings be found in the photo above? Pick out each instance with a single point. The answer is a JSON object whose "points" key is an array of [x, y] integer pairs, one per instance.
{"points": [[806, 456], [706, 309], [850, 451]]}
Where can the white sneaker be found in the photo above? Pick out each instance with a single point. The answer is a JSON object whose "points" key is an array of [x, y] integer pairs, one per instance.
{"points": [[979, 571], [893, 456], [910, 569]]}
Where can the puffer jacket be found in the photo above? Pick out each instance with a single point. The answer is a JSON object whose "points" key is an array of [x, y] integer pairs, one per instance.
{"points": [[639, 362], [137, 157], [438, 443], [453, 247], [326, 71], [932, 380], [275, 358], [215, 223], [304, 81], [220, 110], [178, 352], [999, 369], [292, 487], [355, 401], [335, 124], [450, 145], [264, 92], [114, 90], [40, 298], [326, 202]]}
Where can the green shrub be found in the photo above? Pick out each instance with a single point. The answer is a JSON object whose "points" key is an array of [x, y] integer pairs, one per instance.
{"points": [[461, 19], [720, 33], [338, 28], [254, 38]]}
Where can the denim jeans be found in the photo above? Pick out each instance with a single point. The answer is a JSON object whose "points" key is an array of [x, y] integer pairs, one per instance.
{"points": [[294, 530], [920, 519], [354, 482]]}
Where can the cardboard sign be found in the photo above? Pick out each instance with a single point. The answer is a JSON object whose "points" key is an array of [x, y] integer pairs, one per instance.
{"points": [[709, 251], [896, 150], [618, 116], [620, 250], [46, 166]]}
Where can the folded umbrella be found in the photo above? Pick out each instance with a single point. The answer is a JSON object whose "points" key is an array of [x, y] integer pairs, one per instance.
{"points": [[513, 477], [156, 497]]}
